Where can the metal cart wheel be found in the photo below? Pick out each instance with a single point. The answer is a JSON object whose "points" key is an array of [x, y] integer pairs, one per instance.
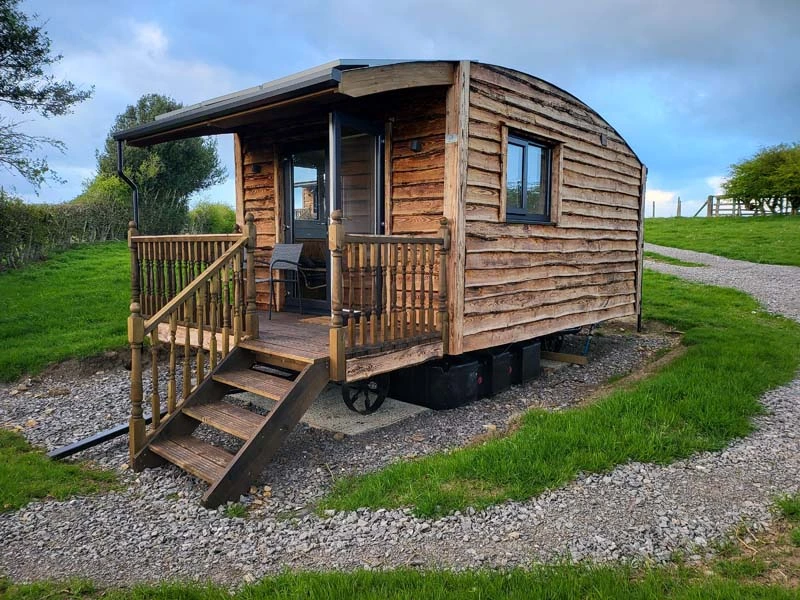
{"points": [[366, 396]]}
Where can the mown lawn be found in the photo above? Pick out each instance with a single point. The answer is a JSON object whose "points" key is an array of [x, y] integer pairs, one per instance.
{"points": [[27, 474], [701, 401], [770, 240], [553, 583], [72, 305]]}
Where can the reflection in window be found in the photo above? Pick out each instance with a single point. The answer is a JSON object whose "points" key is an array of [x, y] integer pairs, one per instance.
{"points": [[528, 168]]}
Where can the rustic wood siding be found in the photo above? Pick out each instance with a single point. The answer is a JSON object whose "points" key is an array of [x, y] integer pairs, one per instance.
{"points": [[416, 196], [258, 193], [527, 280]]}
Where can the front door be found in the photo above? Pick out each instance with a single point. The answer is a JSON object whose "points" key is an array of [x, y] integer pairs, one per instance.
{"points": [[355, 156], [306, 211]]}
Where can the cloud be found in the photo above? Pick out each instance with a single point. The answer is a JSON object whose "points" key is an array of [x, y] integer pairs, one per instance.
{"points": [[715, 183], [129, 59]]}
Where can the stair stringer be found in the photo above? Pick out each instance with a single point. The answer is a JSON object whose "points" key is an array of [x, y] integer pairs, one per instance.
{"points": [[248, 463], [177, 423]]}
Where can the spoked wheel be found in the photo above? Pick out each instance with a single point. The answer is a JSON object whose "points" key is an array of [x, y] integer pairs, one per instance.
{"points": [[366, 396]]}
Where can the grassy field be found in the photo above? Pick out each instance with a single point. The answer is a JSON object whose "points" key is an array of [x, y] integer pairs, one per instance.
{"points": [[769, 240], [553, 583], [73, 305], [699, 402], [27, 474]]}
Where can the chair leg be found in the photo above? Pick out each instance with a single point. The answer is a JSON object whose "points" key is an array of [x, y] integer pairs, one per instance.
{"points": [[271, 295], [299, 293]]}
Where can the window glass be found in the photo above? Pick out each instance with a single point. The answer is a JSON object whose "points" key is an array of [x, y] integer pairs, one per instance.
{"points": [[528, 173], [536, 194], [514, 176]]}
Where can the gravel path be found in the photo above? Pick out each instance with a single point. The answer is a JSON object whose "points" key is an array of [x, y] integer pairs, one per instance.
{"points": [[155, 528]]}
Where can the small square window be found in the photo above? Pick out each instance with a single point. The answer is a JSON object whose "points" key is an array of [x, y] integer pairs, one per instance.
{"points": [[528, 170]]}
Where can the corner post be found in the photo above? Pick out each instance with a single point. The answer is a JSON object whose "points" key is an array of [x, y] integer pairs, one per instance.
{"points": [[251, 317], [444, 317], [337, 344], [710, 206], [136, 422]]}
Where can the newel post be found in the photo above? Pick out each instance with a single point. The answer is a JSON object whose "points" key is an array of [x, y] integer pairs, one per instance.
{"points": [[444, 315], [336, 245], [137, 425], [251, 316]]}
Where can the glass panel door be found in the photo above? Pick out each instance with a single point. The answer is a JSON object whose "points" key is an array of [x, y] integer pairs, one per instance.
{"points": [[306, 210]]}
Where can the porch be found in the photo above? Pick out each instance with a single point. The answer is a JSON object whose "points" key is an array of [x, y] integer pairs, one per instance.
{"points": [[198, 294]]}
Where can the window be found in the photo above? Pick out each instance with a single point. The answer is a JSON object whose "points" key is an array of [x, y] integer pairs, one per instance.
{"points": [[528, 174]]}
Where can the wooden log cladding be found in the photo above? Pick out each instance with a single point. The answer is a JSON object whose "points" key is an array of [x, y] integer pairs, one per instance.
{"points": [[525, 280]]}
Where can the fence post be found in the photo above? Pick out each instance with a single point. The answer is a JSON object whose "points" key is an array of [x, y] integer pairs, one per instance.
{"points": [[444, 316], [251, 316], [710, 206], [136, 423], [338, 365]]}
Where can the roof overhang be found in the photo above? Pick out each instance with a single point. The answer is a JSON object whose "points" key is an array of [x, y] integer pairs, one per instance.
{"points": [[318, 86]]}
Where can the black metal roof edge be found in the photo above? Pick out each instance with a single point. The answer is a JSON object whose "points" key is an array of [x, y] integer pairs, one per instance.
{"points": [[317, 78]]}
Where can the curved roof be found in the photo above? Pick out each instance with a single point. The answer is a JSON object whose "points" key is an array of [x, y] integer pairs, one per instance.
{"points": [[343, 77]]}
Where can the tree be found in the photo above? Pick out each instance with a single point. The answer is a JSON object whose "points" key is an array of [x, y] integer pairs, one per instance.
{"points": [[26, 86], [167, 174], [208, 217], [771, 176]]}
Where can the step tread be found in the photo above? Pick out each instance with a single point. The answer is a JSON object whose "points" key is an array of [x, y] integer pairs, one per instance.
{"points": [[262, 384], [227, 417], [195, 456]]}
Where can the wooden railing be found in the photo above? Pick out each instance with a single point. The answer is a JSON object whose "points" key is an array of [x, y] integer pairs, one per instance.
{"points": [[387, 292], [218, 301], [727, 206], [168, 263]]}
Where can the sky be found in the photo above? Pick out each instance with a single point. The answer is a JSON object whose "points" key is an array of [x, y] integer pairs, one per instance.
{"points": [[693, 86]]}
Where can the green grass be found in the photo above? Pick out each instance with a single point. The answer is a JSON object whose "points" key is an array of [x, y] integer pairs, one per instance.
{"points": [[561, 582], [27, 474], [789, 507], [73, 305], [672, 261], [770, 240], [698, 402], [236, 511]]}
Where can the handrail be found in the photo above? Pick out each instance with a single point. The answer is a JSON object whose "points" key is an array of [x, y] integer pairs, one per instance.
{"points": [[182, 296], [194, 237], [364, 238], [217, 302]]}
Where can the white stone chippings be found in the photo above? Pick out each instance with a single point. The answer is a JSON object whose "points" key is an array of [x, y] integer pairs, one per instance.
{"points": [[154, 528]]}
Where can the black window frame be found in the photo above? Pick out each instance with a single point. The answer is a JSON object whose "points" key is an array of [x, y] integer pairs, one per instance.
{"points": [[521, 215]]}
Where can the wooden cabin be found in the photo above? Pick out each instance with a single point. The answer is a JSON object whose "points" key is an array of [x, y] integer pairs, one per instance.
{"points": [[443, 207]]}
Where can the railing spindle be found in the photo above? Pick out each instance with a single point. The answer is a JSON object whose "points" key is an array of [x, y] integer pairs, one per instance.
{"points": [[212, 342], [351, 313], [373, 280], [226, 311], [413, 304], [173, 351], [404, 297], [187, 347], [431, 309], [155, 399], [362, 272], [201, 311], [444, 322]]}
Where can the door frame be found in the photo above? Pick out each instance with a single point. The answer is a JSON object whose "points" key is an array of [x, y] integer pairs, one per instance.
{"points": [[337, 120]]}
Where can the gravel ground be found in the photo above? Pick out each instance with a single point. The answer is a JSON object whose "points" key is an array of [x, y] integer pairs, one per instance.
{"points": [[154, 527]]}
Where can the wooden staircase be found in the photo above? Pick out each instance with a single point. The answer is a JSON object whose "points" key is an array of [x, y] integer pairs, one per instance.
{"points": [[293, 382]]}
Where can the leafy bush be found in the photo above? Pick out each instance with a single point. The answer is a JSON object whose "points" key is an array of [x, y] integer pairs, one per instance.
{"points": [[208, 217], [30, 232]]}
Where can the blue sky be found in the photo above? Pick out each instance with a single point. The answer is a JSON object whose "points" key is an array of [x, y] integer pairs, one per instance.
{"points": [[692, 85]]}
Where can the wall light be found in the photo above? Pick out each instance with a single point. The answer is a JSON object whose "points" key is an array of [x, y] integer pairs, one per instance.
{"points": [[415, 145], [255, 168]]}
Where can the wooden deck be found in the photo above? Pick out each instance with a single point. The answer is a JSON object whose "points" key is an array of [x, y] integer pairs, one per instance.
{"points": [[292, 339]]}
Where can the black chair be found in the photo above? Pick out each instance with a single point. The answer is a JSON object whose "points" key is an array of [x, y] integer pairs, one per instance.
{"points": [[286, 257]]}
